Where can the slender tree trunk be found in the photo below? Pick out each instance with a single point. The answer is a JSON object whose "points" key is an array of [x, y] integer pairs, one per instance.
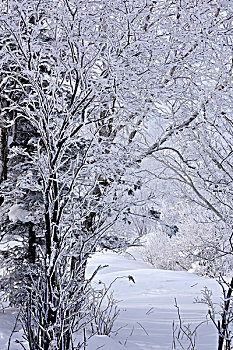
{"points": [[31, 243], [3, 153], [223, 324]]}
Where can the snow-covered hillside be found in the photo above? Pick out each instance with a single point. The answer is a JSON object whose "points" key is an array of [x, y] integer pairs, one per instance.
{"points": [[147, 306]]}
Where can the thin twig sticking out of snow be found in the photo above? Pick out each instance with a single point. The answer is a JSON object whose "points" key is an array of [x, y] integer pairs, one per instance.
{"points": [[13, 330], [184, 331], [143, 328]]}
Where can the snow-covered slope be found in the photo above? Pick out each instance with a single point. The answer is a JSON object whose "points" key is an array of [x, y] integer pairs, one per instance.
{"points": [[147, 306]]}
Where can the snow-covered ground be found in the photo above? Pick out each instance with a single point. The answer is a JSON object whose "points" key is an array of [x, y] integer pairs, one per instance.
{"points": [[147, 306]]}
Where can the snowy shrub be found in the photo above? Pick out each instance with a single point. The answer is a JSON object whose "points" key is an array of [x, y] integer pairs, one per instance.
{"points": [[197, 248], [103, 310], [159, 250]]}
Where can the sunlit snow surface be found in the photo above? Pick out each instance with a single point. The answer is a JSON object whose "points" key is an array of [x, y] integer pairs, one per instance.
{"points": [[147, 307], [7, 321]]}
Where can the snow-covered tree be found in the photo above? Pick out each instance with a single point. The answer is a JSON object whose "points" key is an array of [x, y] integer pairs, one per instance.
{"points": [[189, 129], [72, 103], [98, 98], [193, 152]]}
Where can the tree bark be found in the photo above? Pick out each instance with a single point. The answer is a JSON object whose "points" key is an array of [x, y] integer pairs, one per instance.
{"points": [[3, 153], [224, 324], [31, 243]]}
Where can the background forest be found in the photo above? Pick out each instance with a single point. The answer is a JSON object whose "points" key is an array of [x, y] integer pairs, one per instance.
{"points": [[115, 131]]}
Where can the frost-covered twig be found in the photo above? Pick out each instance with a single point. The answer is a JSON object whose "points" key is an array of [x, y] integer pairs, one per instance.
{"points": [[184, 331]]}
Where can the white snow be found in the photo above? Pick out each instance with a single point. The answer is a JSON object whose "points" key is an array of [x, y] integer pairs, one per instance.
{"points": [[17, 213], [7, 321], [147, 306], [103, 342]]}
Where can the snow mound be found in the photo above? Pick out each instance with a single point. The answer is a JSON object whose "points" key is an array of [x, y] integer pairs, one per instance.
{"points": [[148, 305], [17, 213], [103, 342]]}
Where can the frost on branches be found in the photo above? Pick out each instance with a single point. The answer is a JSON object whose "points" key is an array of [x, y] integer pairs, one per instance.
{"points": [[69, 113], [102, 102]]}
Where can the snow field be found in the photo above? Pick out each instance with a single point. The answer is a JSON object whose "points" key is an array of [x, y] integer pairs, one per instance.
{"points": [[148, 306]]}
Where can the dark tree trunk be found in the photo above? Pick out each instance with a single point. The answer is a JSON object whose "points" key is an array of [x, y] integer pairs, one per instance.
{"points": [[31, 243], [223, 325], [3, 153]]}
